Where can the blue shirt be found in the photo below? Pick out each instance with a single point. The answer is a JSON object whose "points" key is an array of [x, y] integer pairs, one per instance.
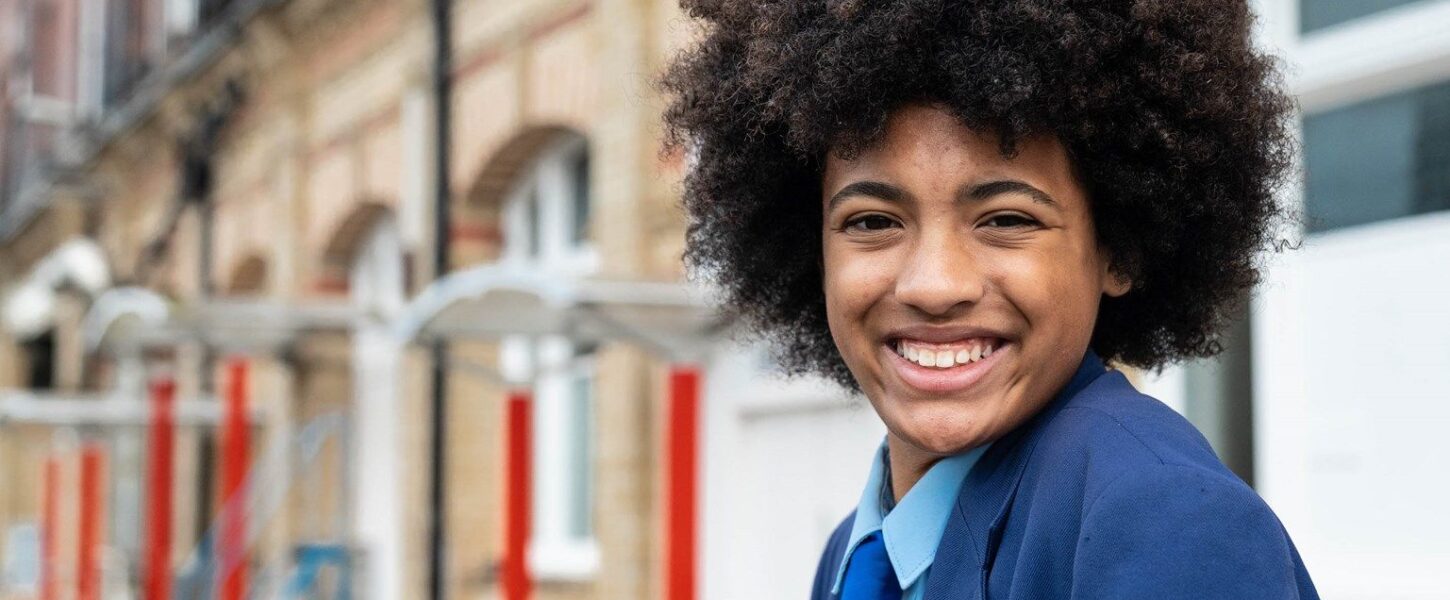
{"points": [[912, 528]]}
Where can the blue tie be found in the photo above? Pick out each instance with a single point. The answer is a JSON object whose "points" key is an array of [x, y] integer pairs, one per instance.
{"points": [[869, 575]]}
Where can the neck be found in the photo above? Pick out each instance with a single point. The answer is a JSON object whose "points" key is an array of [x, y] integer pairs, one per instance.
{"points": [[908, 465]]}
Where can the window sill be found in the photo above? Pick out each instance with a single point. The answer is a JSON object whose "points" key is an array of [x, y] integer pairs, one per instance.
{"points": [[565, 561]]}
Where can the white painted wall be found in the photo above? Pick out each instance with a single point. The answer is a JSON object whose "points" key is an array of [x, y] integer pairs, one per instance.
{"points": [[784, 463], [1355, 454], [1169, 386]]}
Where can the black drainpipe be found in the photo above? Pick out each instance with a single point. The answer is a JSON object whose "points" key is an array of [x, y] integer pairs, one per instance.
{"points": [[442, 105], [198, 170]]}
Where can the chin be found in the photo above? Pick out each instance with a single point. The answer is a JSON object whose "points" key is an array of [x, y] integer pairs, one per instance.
{"points": [[933, 436]]}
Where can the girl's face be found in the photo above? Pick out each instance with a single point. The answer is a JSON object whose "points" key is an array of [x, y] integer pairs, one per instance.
{"points": [[961, 287]]}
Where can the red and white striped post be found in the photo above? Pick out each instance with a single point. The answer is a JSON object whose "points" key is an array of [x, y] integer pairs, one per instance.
{"points": [[682, 464], [518, 498], [50, 531], [233, 543], [161, 451], [92, 517]]}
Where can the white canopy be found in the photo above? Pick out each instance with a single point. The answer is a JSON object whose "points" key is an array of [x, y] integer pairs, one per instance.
{"points": [[497, 300], [130, 319], [30, 306], [28, 407]]}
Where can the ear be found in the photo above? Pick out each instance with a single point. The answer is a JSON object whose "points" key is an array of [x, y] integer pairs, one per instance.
{"points": [[1111, 279], [1115, 284]]}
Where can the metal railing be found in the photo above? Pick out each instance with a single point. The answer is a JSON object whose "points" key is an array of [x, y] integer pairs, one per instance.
{"points": [[262, 496]]}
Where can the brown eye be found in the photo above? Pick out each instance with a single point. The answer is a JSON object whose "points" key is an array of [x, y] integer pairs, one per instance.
{"points": [[1010, 221], [870, 223]]}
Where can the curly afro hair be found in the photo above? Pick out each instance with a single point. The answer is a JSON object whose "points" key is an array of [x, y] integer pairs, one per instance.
{"points": [[1176, 125]]}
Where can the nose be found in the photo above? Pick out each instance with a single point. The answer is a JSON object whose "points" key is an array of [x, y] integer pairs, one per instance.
{"points": [[941, 275]]}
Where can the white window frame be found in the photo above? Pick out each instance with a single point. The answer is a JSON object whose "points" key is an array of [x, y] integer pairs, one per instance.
{"points": [[553, 552], [551, 361], [549, 184]]}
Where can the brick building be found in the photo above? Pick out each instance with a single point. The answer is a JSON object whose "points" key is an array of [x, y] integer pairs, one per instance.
{"points": [[280, 153]]}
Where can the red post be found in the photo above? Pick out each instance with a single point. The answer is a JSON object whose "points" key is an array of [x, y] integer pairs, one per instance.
{"points": [[162, 447], [682, 449], [233, 542], [518, 494], [50, 530], [88, 568]]}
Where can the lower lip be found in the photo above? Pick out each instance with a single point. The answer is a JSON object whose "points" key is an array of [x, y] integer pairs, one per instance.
{"points": [[941, 381]]}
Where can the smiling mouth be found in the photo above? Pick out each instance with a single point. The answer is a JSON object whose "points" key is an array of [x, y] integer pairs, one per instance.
{"points": [[943, 369], [946, 356]]}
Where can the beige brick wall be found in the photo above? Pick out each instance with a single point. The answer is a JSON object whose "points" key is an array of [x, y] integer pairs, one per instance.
{"points": [[323, 134]]}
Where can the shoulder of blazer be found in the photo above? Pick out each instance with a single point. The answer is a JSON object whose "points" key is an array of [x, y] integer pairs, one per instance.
{"points": [[831, 559], [1110, 428], [1072, 452]]}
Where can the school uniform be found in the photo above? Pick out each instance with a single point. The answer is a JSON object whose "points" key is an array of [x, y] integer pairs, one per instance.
{"points": [[1105, 493]]}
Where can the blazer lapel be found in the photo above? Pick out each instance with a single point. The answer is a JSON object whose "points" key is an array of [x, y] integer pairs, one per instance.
{"points": [[970, 540]]}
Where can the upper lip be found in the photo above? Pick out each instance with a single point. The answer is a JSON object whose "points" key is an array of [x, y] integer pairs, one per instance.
{"points": [[941, 334]]}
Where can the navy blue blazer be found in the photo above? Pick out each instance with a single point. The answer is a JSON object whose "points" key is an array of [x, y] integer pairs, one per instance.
{"points": [[1105, 493]]}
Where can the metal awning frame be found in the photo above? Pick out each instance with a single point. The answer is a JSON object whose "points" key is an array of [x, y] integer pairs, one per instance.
{"points": [[495, 301], [108, 409], [131, 320]]}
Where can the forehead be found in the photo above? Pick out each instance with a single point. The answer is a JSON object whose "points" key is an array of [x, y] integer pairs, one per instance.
{"points": [[925, 146]]}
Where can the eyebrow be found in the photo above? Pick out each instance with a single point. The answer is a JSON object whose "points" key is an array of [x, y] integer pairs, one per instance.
{"points": [[975, 192]]}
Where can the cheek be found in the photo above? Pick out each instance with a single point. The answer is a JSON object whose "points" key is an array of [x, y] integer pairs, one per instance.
{"points": [[1054, 287], [852, 280], [853, 283]]}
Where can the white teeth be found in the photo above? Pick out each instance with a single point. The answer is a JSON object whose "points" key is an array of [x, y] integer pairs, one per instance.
{"points": [[943, 359]]}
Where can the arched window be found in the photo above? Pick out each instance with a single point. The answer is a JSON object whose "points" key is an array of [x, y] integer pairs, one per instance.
{"points": [[546, 218], [546, 228]]}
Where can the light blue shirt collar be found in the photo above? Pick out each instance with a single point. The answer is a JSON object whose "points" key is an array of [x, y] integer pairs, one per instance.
{"points": [[912, 529]]}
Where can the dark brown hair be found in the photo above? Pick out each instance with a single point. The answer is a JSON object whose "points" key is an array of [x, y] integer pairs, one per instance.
{"points": [[1176, 124]]}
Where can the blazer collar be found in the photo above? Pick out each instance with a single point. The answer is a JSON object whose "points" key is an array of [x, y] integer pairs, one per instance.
{"points": [[989, 489]]}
